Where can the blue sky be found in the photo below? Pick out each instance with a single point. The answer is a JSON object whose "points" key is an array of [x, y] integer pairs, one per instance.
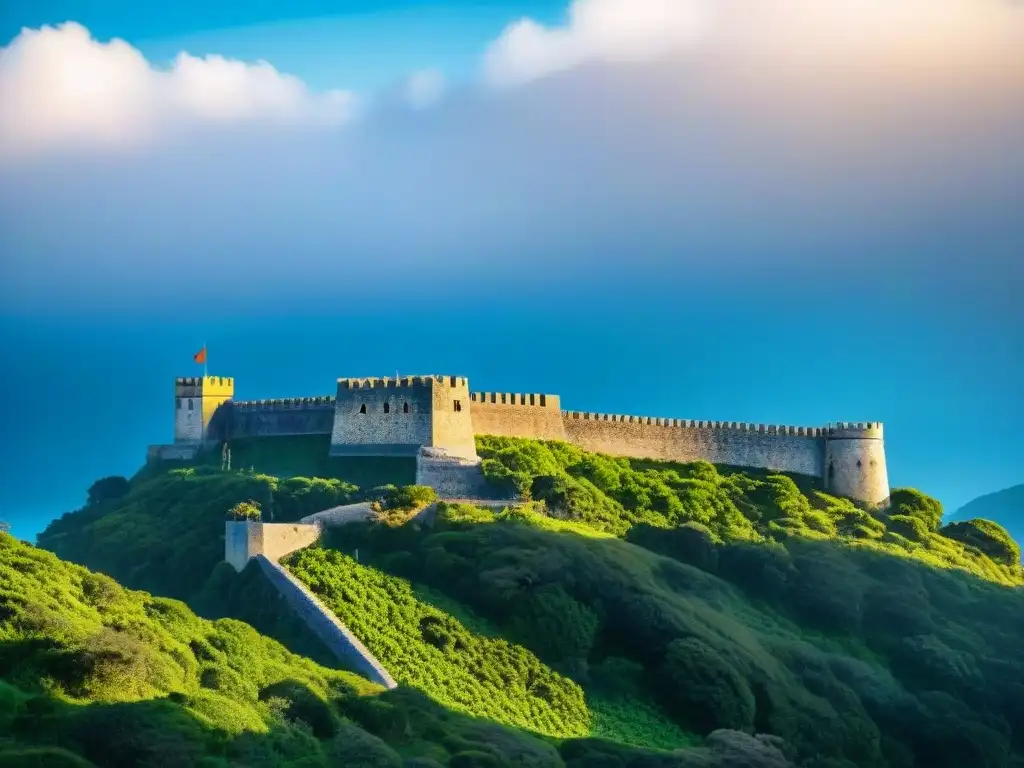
{"points": [[641, 213]]}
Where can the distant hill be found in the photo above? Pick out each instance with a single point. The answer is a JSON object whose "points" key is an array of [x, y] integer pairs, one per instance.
{"points": [[1005, 507]]}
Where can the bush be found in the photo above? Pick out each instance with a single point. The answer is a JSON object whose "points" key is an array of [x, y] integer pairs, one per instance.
{"points": [[913, 503], [703, 688], [909, 527], [409, 497], [245, 510], [989, 538], [108, 489]]}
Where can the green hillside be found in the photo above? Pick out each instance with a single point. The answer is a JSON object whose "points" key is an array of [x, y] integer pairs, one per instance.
{"points": [[644, 602], [92, 674], [1005, 507]]}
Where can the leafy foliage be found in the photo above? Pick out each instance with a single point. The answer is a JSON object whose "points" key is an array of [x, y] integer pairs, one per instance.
{"points": [[245, 510], [842, 650], [644, 602], [621, 496], [92, 674], [166, 534], [989, 538], [107, 489], [912, 503], [431, 650]]}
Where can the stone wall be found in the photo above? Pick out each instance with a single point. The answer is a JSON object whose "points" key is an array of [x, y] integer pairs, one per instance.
{"points": [[246, 540], [272, 418], [855, 463], [787, 449], [382, 417], [509, 414], [452, 428], [325, 625], [450, 476]]}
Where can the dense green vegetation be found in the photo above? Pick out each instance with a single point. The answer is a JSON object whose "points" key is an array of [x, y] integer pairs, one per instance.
{"points": [[166, 534], [645, 602], [92, 674], [1005, 507], [431, 650], [301, 456], [730, 505], [851, 655]]}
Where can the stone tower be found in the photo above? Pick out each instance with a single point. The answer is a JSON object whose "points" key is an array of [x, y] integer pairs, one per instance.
{"points": [[196, 399], [398, 416], [855, 462]]}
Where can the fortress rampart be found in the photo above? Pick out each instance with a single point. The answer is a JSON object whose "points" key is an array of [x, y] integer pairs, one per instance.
{"points": [[401, 416], [517, 415]]}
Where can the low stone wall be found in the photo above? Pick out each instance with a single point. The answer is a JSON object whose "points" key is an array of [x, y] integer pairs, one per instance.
{"points": [[245, 540], [324, 624], [342, 515], [451, 477]]}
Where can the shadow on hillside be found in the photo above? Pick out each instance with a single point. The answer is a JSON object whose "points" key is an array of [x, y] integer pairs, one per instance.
{"points": [[845, 652]]}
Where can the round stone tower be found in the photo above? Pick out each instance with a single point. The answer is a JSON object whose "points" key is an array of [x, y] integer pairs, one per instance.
{"points": [[855, 462]]}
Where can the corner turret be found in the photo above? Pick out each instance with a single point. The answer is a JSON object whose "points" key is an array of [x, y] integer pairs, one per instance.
{"points": [[196, 399], [855, 462]]}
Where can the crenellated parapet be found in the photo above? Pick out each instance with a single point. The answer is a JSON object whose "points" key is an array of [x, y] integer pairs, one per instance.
{"points": [[516, 398], [283, 404], [737, 426], [399, 382]]}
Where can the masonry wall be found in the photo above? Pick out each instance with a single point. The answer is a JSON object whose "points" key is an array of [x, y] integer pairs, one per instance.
{"points": [[787, 449], [452, 427], [855, 463], [325, 625], [452, 480], [398, 431], [245, 540], [509, 414], [269, 418]]}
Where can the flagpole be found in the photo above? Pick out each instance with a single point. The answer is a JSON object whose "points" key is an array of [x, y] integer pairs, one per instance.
{"points": [[206, 355]]}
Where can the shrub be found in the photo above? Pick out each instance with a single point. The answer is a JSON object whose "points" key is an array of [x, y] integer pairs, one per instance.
{"points": [[990, 538], [913, 503], [245, 510], [704, 689], [108, 489], [908, 526]]}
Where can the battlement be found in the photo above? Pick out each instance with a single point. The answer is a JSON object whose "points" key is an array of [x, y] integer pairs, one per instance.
{"points": [[855, 430], [391, 382], [283, 404], [514, 398], [737, 426], [204, 386]]}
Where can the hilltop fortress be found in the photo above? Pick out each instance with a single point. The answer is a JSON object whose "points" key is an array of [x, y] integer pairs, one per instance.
{"points": [[434, 419]]}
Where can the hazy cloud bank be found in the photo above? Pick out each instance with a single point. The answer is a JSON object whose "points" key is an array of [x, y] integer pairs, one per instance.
{"points": [[827, 140]]}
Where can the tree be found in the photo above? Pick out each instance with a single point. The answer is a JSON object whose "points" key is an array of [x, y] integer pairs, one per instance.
{"points": [[5, 527], [108, 489], [246, 510]]}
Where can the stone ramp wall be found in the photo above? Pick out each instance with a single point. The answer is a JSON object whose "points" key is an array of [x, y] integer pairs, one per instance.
{"points": [[335, 635], [346, 513], [245, 540]]}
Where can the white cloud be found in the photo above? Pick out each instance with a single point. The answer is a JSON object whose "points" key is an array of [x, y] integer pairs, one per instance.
{"points": [[596, 30], [424, 88], [59, 87]]}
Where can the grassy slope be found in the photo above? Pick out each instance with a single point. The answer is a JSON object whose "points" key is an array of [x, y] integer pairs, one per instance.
{"points": [[93, 674], [845, 622], [848, 654]]}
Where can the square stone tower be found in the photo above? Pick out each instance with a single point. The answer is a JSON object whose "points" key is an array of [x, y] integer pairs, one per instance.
{"points": [[398, 416], [196, 399]]}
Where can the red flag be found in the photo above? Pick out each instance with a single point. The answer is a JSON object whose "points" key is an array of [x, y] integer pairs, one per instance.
{"points": [[200, 356]]}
